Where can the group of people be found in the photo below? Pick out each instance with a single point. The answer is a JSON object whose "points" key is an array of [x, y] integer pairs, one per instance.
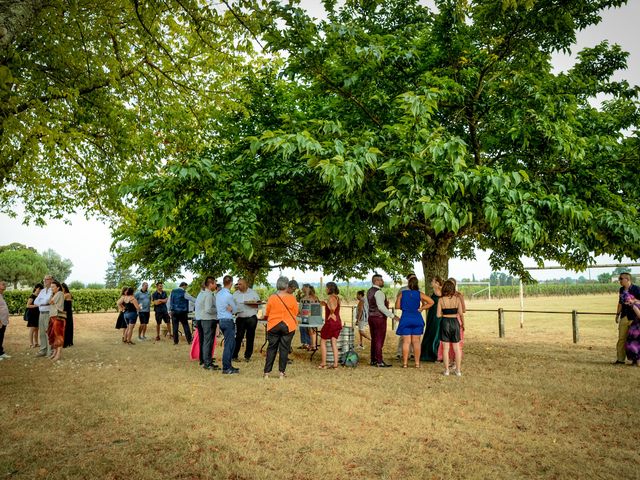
{"points": [[49, 317], [235, 316], [437, 339]]}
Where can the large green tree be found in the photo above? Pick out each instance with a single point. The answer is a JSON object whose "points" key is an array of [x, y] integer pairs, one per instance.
{"points": [[58, 267], [225, 211], [97, 93], [21, 266], [453, 123]]}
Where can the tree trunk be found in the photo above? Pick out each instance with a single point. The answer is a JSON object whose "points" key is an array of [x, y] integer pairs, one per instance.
{"points": [[435, 261], [250, 277], [16, 16]]}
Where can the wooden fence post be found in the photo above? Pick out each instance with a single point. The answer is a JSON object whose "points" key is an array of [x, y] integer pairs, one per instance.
{"points": [[576, 330], [501, 323]]}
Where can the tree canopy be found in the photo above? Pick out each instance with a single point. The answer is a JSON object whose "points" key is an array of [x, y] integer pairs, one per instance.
{"points": [[96, 93], [454, 125], [22, 267], [387, 133], [58, 267]]}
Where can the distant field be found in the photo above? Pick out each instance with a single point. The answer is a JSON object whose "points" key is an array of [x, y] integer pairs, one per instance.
{"points": [[531, 405]]}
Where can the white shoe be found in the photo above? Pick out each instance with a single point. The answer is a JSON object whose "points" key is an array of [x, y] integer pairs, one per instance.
{"points": [[445, 373], [4, 355], [458, 373]]}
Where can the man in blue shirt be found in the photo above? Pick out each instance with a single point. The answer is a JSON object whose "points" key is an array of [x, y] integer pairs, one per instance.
{"points": [[144, 300], [226, 307], [179, 306]]}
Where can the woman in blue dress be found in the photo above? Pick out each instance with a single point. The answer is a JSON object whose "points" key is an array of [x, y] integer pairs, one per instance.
{"points": [[412, 302]]}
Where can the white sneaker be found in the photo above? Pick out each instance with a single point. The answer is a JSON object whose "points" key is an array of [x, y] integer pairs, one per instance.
{"points": [[4, 355], [445, 373], [458, 373]]}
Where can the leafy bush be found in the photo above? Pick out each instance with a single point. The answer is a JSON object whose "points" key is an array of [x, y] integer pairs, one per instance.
{"points": [[76, 285], [86, 300], [95, 286]]}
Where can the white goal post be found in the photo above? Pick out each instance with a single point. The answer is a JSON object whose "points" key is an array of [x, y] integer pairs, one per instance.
{"points": [[486, 289]]}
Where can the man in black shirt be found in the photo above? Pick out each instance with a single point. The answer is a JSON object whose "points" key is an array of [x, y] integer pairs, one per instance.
{"points": [[159, 299], [625, 314]]}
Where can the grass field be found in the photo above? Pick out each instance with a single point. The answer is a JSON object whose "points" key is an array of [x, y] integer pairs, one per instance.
{"points": [[531, 405]]}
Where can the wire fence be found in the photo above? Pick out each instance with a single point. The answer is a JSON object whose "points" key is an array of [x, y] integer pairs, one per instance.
{"points": [[575, 316]]}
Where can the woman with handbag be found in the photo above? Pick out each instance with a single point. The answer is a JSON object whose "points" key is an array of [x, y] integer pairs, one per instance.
{"points": [[57, 319], [280, 313]]}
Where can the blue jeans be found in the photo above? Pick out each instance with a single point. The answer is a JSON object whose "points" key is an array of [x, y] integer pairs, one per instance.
{"points": [[228, 328], [305, 338]]}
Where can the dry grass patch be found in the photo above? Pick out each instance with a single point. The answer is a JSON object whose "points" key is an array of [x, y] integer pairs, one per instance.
{"points": [[532, 405]]}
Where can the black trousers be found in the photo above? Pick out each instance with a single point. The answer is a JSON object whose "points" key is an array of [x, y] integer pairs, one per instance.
{"points": [[200, 338], [182, 318], [208, 333], [245, 325], [279, 339], [3, 329]]}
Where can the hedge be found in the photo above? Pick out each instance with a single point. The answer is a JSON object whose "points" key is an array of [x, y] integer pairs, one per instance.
{"points": [[85, 300]]}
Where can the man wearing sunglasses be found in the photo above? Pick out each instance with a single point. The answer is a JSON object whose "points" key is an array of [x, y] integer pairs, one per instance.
{"points": [[625, 314]]}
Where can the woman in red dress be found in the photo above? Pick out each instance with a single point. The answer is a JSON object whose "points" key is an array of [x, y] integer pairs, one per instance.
{"points": [[332, 325]]}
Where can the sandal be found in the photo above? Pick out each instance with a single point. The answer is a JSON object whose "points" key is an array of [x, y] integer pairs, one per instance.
{"points": [[334, 366], [405, 365], [322, 366], [417, 365]]}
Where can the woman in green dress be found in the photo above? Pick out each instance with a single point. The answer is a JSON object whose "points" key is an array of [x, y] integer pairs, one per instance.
{"points": [[431, 338]]}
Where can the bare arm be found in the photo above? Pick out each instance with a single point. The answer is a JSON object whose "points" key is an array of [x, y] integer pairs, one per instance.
{"points": [[439, 311], [398, 300], [464, 305], [427, 301], [461, 311]]}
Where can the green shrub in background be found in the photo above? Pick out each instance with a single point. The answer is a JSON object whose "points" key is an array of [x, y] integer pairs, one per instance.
{"points": [[85, 300]]}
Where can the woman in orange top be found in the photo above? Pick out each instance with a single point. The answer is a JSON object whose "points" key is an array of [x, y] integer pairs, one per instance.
{"points": [[280, 314]]}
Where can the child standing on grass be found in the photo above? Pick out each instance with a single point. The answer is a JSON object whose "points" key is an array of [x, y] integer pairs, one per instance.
{"points": [[450, 310], [361, 319], [332, 325]]}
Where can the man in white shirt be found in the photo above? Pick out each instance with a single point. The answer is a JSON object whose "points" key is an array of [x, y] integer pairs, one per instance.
{"points": [[246, 319], [42, 301], [4, 320], [377, 306]]}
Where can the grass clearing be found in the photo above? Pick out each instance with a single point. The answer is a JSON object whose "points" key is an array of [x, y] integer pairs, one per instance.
{"points": [[532, 405]]}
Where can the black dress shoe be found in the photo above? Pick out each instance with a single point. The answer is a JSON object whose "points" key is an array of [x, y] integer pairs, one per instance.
{"points": [[231, 371], [211, 367], [618, 362], [372, 363], [382, 365]]}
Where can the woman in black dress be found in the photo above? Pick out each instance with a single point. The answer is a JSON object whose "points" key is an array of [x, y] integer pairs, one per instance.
{"points": [[33, 316], [68, 307], [431, 338]]}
